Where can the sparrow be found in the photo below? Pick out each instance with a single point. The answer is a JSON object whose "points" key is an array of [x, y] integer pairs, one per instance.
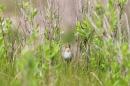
{"points": [[67, 54]]}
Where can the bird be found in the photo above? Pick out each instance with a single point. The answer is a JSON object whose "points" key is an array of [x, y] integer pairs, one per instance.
{"points": [[67, 54]]}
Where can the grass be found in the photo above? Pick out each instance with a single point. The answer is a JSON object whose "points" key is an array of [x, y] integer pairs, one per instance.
{"points": [[103, 43]]}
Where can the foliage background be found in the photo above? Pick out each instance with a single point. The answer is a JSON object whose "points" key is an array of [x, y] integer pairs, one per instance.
{"points": [[31, 58]]}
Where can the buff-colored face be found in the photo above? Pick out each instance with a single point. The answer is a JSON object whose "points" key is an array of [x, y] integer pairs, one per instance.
{"points": [[67, 50]]}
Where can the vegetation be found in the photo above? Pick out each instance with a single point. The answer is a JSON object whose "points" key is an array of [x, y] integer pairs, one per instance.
{"points": [[27, 60]]}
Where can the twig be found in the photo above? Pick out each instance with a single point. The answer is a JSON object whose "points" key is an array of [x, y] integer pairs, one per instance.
{"points": [[97, 78]]}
